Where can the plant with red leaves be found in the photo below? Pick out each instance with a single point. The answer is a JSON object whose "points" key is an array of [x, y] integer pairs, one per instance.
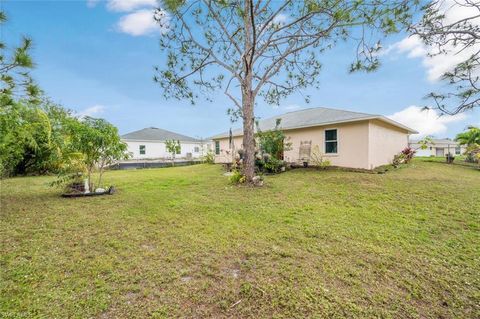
{"points": [[408, 153]]}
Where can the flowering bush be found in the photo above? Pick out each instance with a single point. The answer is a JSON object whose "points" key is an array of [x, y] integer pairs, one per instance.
{"points": [[408, 154], [404, 157]]}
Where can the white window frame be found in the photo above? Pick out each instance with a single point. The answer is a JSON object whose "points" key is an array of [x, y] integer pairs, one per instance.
{"points": [[325, 141], [140, 149]]}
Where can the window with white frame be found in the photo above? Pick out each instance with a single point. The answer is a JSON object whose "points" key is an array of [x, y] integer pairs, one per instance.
{"points": [[196, 149], [458, 151], [142, 149], [331, 142]]}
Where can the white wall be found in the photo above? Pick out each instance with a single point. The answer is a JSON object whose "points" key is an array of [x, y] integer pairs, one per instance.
{"points": [[384, 142], [424, 153], [155, 150], [432, 149]]}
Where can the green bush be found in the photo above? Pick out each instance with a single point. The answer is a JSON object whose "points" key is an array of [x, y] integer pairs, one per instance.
{"points": [[237, 177], [317, 159], [209, 158]]}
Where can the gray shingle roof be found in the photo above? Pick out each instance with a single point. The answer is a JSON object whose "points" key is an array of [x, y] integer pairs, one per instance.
{"points": [[157, 134], [314, 117]]}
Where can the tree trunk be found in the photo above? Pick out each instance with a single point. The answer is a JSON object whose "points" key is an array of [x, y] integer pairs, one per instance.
{"points": [[248, 97], [248, 136]]}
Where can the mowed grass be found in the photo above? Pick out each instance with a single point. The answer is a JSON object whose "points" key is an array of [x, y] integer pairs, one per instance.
{"points": [[182, 242]]}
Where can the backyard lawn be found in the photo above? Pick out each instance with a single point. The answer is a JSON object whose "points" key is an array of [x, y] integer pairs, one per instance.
{"points": [[182, 242]]}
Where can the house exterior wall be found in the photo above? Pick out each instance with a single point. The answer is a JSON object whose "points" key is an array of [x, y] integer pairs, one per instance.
{"points": [[385, 141], [227, 153], [158, 150], [352, 144], [362, 144]]}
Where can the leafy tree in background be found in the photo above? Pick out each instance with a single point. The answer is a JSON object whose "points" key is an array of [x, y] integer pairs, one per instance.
{"points": [[263, 48], [469, 137], [459, 35], [32, 137], [173, 147], [425, 142], [17, 93], [38, 136]]}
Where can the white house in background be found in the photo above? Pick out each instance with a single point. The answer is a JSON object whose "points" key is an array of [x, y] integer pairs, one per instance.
{"points": [[149, 143], [439, 147]]}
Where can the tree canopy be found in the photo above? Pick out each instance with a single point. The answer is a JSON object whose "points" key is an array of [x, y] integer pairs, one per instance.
{"points": [[38, 136], [453, 28], [263, 48], [15, 66], [469, 137]]}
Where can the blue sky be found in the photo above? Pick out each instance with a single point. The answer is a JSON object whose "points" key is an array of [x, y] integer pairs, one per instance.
{"points": [[97, 58]]}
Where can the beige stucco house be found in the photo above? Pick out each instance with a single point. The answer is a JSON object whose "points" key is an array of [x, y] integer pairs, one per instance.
{"points": [[346, 139]]}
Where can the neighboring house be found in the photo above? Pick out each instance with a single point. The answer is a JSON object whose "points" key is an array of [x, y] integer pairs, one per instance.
{"points": [[149, 143], [346, 139], [439, 147]]}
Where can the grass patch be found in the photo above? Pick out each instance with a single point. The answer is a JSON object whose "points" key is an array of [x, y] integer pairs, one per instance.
{"points": [[182, 242]]}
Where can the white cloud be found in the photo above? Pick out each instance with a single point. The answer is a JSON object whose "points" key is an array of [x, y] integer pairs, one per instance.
{"points": [[437, 65], [91, 111], [140, 18], [426, 122], [141, 22], [129, 5]]}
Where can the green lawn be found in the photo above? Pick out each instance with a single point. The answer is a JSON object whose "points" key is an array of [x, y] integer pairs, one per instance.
{"points": [[182, 242]]}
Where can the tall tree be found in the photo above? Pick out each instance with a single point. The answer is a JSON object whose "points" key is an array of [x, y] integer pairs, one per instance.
{"points": [[17, 92], [264, 48], [453, 27], [15, 65]]}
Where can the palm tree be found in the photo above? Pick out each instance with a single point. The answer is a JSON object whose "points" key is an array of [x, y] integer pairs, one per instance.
{"points": [[470, 137]]}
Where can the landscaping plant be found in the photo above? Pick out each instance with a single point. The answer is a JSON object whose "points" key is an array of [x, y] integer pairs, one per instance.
{"points": [[272, 145], [96, 144], [408, 154], [317, 159], [174, 148]]}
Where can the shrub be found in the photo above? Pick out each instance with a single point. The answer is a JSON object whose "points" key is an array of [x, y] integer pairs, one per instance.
{"points": [[408, 154], [266, 163], [473, 154], [237, 177], [317, 159], [273, 142], [209, 158], [398, 159]]}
